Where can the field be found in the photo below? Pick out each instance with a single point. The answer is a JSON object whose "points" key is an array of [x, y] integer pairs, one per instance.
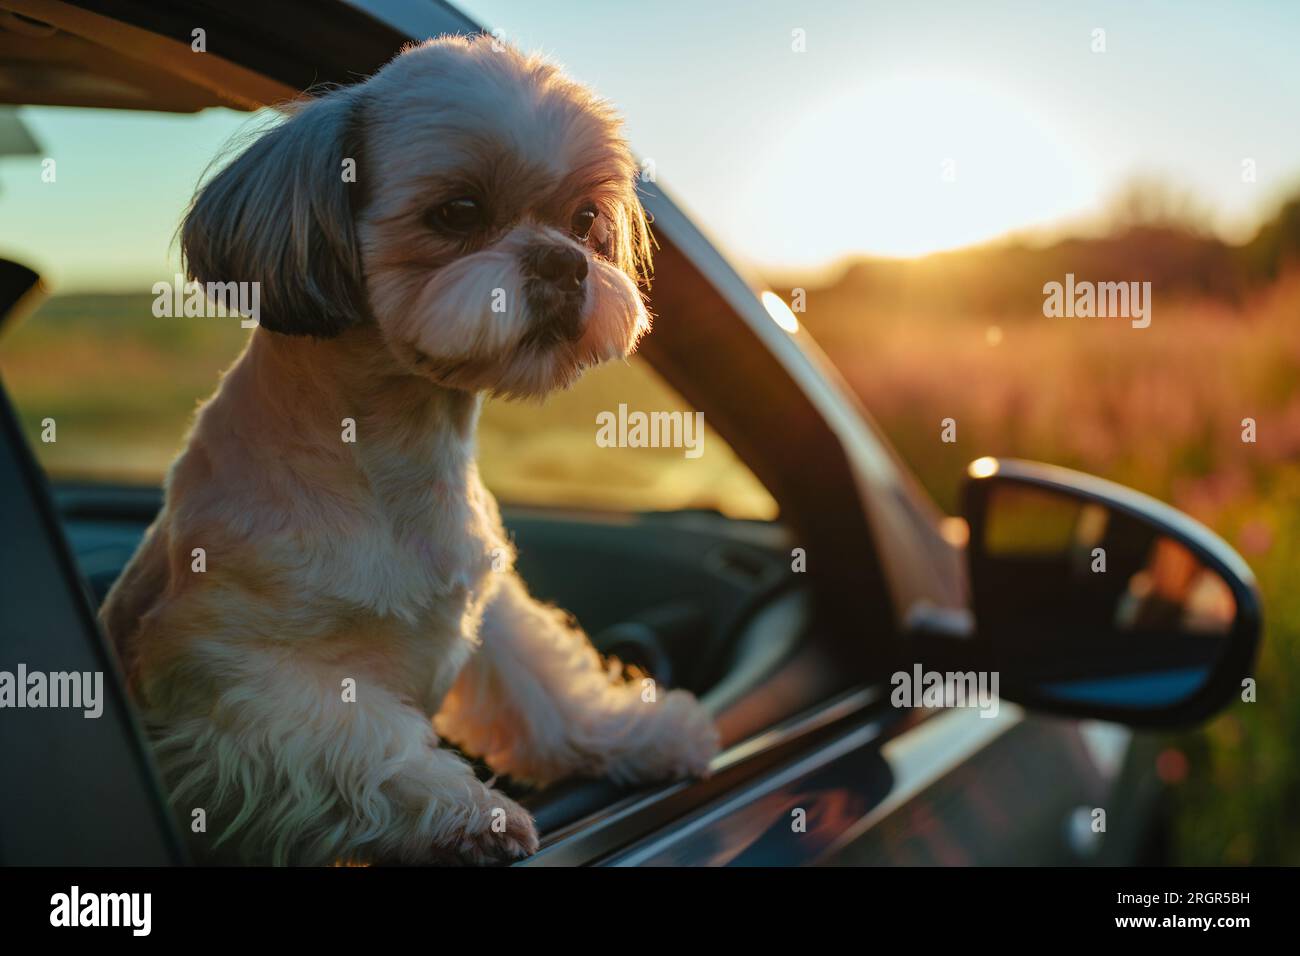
{"points": [[122, 386]]}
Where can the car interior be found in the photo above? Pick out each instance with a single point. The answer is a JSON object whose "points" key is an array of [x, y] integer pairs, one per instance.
{"points": [[101, 764], [694, 600]]}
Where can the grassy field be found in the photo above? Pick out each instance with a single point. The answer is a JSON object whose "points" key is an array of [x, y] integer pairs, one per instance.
{"points": [[1159, 409], [122, 386]]}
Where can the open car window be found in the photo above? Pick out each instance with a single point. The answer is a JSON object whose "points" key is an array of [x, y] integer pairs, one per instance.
{"points": [[106, 376], [94, 206]]}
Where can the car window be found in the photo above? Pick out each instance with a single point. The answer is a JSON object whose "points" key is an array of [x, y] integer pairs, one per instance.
{"points": [[105, 385]]}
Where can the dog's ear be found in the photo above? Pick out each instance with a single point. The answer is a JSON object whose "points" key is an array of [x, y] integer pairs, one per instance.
{"points": [[630, 245], [281, 215]]}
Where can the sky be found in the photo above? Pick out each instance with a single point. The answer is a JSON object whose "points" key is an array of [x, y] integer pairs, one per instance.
{"points": [[794, 159], [900, 129]]}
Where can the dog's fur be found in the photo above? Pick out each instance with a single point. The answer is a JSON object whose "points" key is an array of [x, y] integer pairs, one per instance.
{"points": [[383, 561]]}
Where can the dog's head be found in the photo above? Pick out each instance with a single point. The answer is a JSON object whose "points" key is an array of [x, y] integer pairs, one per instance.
{"points": [[474, 203]]}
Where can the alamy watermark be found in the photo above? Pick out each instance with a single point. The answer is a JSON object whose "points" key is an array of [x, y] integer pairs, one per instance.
{"points": [[922, 688], [1103, 300], [57, 689], [194, 299], [75, 908], [635, 429]]}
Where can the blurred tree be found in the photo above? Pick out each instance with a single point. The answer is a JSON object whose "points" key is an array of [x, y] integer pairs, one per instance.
{"points": [[1150, 201], [1276, 246]]}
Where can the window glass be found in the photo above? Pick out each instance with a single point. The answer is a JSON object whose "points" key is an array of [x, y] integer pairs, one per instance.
{"points": [[582, 448]]}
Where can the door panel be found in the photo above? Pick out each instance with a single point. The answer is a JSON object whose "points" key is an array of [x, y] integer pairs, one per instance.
{"points": [[953, 789]]}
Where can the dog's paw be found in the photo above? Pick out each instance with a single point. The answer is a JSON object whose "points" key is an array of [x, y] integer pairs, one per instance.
{"points": [[678, 739], [501, 831], [698, 742]]}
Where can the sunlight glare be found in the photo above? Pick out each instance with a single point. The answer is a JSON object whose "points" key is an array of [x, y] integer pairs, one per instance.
{"points": [[911, 165], [780, 312]]}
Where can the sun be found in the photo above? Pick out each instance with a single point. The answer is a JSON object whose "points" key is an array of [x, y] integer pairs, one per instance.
{"points": [[909, 165]]}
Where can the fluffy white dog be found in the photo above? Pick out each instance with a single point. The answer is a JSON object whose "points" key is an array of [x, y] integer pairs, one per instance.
{"points": [[352, 596]]}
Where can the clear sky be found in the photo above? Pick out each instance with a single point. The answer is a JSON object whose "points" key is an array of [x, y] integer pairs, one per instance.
{"points": [[121, 181], [796, 158], [903, 128]]}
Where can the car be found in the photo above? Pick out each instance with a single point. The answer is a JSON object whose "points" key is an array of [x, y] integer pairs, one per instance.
{"points": [[892, 685]]}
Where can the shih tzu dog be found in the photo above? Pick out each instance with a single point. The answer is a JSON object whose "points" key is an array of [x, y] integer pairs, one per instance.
{"points": [[329, 588]]}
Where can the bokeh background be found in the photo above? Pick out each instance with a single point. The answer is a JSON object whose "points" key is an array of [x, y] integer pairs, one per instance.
{"points": [[916, 172]]}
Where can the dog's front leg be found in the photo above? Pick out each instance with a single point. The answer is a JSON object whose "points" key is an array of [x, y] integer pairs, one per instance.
{"points": [[537, 702], [289, 773]]}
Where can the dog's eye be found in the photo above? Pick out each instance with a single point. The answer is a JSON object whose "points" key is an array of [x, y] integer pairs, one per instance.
{"points": [[461, 215], [583, 220]]}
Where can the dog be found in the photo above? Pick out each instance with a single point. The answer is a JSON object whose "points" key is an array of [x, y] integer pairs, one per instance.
{"points": [[329, 590]]}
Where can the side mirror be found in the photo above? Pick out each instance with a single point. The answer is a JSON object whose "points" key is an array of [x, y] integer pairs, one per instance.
{"points": [[1094, 600]]}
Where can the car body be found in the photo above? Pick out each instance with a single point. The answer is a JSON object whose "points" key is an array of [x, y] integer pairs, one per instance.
{"points": [[818, 767]]}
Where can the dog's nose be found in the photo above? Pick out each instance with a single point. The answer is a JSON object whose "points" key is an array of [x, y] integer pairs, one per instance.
{"points": [[562, 266]]}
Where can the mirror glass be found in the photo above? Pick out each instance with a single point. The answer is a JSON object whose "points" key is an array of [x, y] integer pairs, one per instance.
{"points": [[1085, 604]]}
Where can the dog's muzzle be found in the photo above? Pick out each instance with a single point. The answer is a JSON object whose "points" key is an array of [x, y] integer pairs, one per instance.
{"points": [[557, 293]]}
